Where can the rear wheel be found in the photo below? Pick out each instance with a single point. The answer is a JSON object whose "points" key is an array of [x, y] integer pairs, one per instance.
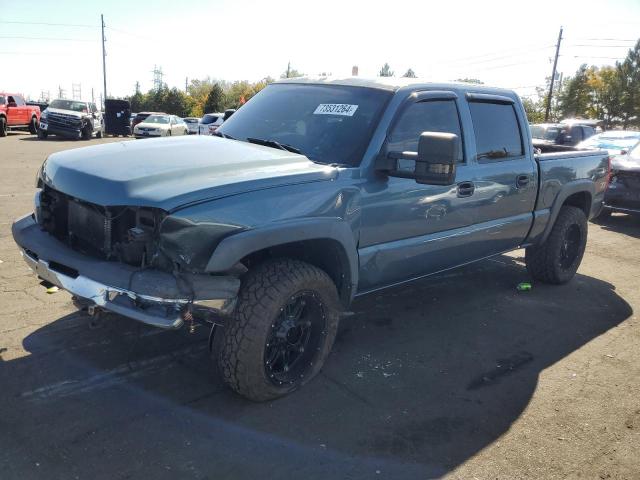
{"points": [[168, 133], [33, 125], [558, 258], [3, 127], [281, 332], [99, 134]]}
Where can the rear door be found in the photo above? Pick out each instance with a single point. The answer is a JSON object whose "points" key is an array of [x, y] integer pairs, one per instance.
{"points": [[505, 174]]}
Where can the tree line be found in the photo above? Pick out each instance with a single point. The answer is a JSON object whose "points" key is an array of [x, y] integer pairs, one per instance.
{"points": [[202, 96]]}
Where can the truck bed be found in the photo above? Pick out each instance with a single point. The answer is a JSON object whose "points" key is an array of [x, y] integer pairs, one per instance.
{"points": [[559, 170]]}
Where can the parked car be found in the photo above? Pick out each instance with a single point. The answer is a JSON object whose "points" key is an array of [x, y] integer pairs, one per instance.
{"points": [[568, 133], [616, 142], [192, 124], [160, 126], [315, 192], [209, 123], [623, 194], [142, 116], [71, 119], [15, 113]]}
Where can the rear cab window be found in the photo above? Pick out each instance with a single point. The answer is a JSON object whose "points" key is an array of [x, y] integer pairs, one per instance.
{"points": [[496, 130]]}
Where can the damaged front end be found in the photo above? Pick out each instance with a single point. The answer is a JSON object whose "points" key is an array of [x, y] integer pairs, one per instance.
{"points": [[136, 261]]}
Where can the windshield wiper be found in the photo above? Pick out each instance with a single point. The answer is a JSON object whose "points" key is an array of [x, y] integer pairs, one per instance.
{"points": [[494, 154], [223, 135], [274, 144]]}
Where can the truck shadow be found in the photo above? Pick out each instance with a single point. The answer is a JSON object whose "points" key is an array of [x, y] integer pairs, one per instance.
{"points": [[622, 223], [422, 378]]}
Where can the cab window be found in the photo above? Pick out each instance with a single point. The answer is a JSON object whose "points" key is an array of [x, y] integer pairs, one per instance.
{"points": [[497, 132], [427, 116]]}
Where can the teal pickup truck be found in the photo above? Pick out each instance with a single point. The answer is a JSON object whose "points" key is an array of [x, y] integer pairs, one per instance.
{"points": [[313, 193]]}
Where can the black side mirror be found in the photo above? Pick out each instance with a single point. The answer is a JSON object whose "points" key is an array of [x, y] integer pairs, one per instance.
{"points": [[434, 163]]}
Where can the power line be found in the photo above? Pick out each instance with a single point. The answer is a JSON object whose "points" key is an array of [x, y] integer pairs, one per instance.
{"points": [[591, 56], [50, 24], [483, 59], [598, 46], [19, 37]]}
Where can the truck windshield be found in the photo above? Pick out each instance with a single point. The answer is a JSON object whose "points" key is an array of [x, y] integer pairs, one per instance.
{"points": [[327, 123], [69, 105], [544, 133]]}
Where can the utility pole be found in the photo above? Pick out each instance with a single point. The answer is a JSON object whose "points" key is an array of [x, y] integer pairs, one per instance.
{"points": [[288, 69], [104, 59], [186, 84], [553, 78]]}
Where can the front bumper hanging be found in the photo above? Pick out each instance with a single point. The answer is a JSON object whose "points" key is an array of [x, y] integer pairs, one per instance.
{"points": [[150, 296]]}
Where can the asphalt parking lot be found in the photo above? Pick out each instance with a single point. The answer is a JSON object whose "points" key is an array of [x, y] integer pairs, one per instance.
{"points": [[458, 376]]}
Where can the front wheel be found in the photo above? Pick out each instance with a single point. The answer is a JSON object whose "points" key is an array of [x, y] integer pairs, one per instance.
{"points": [[282, 330], [42, 135], [558, 258], [87, 131]]}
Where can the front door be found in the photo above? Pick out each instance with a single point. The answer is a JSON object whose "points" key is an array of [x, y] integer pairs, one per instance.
{"points": [[410, 229]]}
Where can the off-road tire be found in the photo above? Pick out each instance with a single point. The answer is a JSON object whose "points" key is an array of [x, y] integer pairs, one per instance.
{"points": [[33, 126], [545, 262], [42, 135], [87, 132], [3, 127], [265, 290]]}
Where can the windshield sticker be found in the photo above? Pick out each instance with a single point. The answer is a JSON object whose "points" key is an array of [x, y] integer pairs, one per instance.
{"points": [[336, 109]]}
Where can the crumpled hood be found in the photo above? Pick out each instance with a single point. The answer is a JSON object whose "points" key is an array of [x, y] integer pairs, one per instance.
{"points": [[171, 172], [66, 112]]}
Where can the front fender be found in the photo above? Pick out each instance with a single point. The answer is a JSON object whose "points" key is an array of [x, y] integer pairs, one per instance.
{"points": [[234, 248]]}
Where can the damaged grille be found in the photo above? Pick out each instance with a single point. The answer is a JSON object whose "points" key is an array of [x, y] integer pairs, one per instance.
{"points": [[125, 234]]}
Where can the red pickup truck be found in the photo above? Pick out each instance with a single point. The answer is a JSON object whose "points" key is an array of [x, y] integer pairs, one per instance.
{"points": [[15, 113]]}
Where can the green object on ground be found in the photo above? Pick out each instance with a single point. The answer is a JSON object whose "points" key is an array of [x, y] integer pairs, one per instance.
{"points": [[524, 287], [53, 289]]}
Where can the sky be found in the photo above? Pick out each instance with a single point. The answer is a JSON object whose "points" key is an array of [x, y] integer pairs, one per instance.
{"points": [[52, 45]]}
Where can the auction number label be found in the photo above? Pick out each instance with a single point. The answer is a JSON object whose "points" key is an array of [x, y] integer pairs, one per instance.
{"points": [[336, 109]]}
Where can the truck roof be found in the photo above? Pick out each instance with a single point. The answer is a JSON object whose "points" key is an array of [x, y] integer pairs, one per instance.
{"points": [[394, 83]]}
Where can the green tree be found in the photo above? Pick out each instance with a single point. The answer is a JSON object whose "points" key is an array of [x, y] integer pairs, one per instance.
{"points": [[576, 98], [409, 74], [215, 100], [385, 71], [291, 72], [534, 109], [629, 77]]}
